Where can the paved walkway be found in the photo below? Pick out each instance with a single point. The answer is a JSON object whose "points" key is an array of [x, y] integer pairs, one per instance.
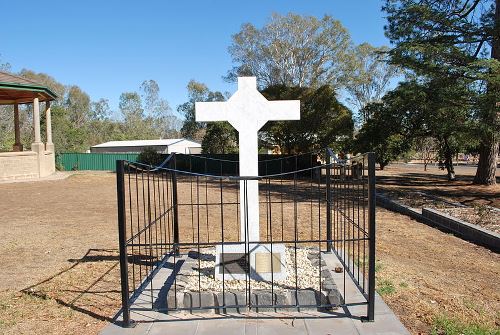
{"points": [[343, 321]]}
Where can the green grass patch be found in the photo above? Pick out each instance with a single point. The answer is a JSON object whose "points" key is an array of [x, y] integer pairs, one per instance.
{"points": [[363, 263], [445, 326], [385, 287]]}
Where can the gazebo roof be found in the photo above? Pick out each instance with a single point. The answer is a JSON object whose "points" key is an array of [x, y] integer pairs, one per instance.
{"points": [[21, 90]]}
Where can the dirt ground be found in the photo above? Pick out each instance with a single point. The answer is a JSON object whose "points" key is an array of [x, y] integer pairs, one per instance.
{"points": [[412, 177], [60, 271]]}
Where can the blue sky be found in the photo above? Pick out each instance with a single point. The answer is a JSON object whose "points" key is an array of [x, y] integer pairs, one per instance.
{"points": [[108, 47]]}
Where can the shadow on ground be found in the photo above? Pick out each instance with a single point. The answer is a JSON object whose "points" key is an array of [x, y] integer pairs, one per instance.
{"points": [[91, 285], [462, 190]]}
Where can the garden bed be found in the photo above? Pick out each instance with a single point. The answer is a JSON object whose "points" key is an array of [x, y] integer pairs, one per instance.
{"points": [[483, 216], [420, 199]]}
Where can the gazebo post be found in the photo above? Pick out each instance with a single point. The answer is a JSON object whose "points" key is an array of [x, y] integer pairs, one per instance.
{"points": [[17, 133], [36, 120], [49, 146], [37, 146]]}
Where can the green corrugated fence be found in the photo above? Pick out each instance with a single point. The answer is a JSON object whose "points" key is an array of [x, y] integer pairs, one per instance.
{"points": [[70, 161]]}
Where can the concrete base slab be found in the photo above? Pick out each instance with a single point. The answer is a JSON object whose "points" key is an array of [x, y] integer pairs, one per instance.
{"points": [[345, 320]]}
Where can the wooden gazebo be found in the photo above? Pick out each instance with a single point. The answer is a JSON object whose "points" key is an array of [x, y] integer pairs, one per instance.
{"points": [[40, 160]]}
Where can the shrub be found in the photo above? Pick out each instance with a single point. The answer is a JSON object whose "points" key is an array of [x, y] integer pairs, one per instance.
{"points": [[149, 156]]}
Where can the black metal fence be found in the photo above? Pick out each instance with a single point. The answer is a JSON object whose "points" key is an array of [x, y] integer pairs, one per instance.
{"points": [[170, 217]]}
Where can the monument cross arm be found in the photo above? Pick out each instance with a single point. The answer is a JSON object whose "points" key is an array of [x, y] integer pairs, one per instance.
{"points": [[283, 110], [212, 111]]}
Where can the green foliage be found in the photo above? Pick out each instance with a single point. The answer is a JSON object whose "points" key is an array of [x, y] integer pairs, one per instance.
{"points": [[220, 138], [455, 42], [445, 326], [413, 111], [385, 287], [197, 92], [383, 134], [149, 156], [323, 120]]}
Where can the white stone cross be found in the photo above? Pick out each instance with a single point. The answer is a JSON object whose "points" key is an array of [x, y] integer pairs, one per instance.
{"points": [[247, 110]]}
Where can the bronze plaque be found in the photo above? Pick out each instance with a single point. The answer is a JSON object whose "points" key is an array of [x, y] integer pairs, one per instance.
{"points": [[263, 262], [233, 263]]}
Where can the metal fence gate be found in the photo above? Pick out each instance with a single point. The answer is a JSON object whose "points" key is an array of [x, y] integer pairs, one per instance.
{"points": [[169, 217]]}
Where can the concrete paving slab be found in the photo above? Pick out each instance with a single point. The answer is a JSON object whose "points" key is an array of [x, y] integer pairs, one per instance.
{"points": [[221, 326], [387, 324], [324, 326], [281, 326], [174, 327], [139, 329]]}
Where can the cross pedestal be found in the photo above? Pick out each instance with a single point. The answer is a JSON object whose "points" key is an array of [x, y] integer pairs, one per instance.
{"points": [[247, 111]]}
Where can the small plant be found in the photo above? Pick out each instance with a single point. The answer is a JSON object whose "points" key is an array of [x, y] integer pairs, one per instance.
{"points": [[403, 284], [385, 287], [446, 326], [482, 212]]}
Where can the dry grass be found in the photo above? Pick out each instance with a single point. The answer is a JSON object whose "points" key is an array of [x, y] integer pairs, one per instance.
{"points": [[60, 269]]}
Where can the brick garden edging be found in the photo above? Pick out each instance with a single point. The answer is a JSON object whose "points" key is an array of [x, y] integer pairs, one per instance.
{"points": [[465, 230], [445, 223], [398, 207]]}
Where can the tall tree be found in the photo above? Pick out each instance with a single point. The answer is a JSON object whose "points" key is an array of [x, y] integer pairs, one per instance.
{"points": [[385, 132], [5, 67], [416, 110], [457, 41], [324, 121], [220, 138], [292, 50], [100, 109], [191, 128], [158, 109], [368, 74], [78, 106]]}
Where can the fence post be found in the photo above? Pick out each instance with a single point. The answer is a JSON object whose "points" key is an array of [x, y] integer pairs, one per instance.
{"points": [[175, 206], [122, 237], [371, 232], [328, 204]]}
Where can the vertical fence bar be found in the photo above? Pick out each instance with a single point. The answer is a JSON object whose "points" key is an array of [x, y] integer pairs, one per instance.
{"points": [[175, 207], [371, 224], [122, 237], [328, 204]]}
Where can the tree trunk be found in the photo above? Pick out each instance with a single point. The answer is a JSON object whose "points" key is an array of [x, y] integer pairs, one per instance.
{"points": [[448, 161], [487, 165], [488, 149]]}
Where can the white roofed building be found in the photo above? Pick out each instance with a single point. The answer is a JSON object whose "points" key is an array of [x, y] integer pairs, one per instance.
{"points": [[166, 146]]}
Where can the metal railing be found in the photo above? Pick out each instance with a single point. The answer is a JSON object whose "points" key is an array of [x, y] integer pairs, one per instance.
{"points": [[351, 219], [168, 216]]}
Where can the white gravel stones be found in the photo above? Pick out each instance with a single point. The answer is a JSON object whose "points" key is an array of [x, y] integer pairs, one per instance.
{"points": [[308, 274]]}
